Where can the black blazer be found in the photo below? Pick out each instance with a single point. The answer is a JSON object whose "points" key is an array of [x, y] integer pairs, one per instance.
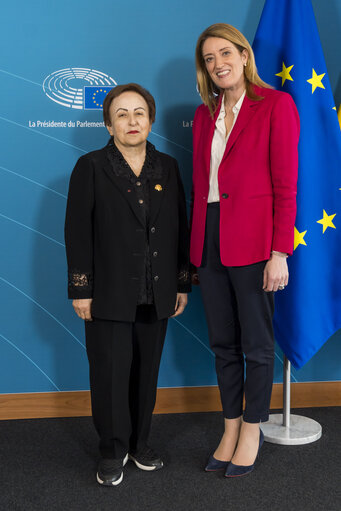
{"points": [[105, 237]]}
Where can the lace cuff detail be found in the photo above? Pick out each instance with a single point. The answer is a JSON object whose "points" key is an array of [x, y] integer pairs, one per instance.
{"points": [[184, 276], [79, 284], [184, 281]]}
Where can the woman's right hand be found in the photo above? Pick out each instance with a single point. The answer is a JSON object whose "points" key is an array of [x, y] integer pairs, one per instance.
{"points": [[195, 279], [83, 308], [194, 275]]}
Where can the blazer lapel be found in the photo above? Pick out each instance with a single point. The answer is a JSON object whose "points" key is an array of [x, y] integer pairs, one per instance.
{"points": [[127, 190], [157, 189], [247, 111]]}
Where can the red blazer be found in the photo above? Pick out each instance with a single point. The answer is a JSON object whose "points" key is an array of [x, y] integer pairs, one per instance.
{"points": [[257, 180]]}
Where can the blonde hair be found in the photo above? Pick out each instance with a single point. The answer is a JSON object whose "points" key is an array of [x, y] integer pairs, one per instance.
{"points": [[206, 87]]}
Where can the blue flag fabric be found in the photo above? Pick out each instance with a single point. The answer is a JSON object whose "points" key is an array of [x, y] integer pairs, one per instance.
{"points": [[289, 57], [94, 96]]}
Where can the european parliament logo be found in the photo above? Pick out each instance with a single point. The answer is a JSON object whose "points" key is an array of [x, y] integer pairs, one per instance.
{"points": [[78, 87]]}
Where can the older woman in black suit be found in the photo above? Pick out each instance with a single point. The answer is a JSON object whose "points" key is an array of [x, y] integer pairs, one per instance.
{"points": [[127, 248]]}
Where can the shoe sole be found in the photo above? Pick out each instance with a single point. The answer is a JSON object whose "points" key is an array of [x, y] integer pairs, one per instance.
{"points": [[215, 469], [113, 483], [239, 475], [143, 467]]}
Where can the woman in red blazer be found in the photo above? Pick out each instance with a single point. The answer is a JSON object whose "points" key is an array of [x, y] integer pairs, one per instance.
{"points": [[245, 139]]}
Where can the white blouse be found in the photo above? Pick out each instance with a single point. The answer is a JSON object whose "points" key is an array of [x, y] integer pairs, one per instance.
{"points": [[219, 145]]}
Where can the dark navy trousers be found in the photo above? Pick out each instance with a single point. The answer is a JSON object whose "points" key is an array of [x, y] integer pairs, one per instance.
{"points": [[239, 316]]}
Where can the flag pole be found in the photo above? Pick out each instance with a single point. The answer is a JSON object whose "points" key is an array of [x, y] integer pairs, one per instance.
{"points": [[286, 392], [286, 428]]}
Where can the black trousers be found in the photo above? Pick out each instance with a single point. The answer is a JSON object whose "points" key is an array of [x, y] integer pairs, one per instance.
{"points": [[239, 316], [124, 360]]}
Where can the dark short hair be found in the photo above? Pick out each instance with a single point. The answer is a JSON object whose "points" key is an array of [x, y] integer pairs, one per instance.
{"points": [[128, 87]]}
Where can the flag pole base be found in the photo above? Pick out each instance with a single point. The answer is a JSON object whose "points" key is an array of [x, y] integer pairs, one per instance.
{"points": [[302, 430]]}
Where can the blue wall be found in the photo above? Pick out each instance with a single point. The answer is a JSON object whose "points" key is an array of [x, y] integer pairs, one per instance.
{"points": [[152, 42]]}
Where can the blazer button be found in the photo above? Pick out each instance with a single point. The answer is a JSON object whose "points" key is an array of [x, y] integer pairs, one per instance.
{"points": [[155, 253], [152, 229], [138, 183], [156, 278], [140, 201], [225, 195]]}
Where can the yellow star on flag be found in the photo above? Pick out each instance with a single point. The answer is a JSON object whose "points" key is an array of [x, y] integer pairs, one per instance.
{"points": [[285, 73], [299, 238], [326, 221], [316, 81]]}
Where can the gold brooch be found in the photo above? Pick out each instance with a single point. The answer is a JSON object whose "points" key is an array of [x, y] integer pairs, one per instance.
{"points": [[158, 188]]}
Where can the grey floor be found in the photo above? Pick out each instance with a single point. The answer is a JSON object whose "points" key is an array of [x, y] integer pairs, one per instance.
{"points": [[50, 464]]}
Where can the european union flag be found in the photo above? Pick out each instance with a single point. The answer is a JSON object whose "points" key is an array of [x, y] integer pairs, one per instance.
{"points": [[289, 57], [94, 97]]}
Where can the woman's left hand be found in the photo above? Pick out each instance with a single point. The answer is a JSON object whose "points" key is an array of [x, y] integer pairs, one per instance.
{"points": [[276, 273], [180, 304]]}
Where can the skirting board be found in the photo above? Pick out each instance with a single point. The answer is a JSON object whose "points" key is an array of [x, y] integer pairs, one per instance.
{"points": [[169, 400]]}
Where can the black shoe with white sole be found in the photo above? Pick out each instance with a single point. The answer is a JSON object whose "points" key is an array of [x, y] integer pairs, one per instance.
{"points": [[146, 459], [110, 471]]}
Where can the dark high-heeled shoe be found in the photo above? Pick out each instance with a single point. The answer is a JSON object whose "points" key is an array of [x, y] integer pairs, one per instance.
{"points": [[241, 470], [213, 464]]}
